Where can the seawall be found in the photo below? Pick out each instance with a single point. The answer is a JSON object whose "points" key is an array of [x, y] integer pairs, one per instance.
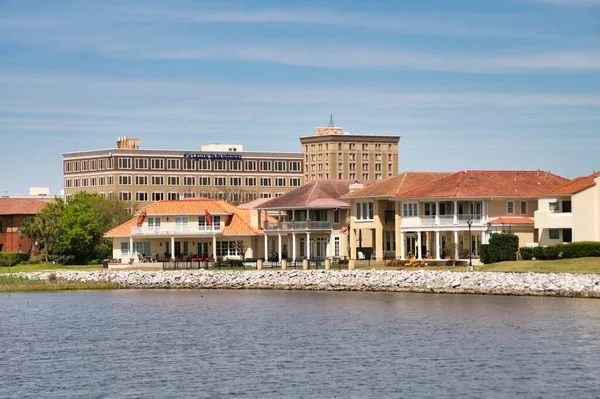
{"points": [[538, 284]]}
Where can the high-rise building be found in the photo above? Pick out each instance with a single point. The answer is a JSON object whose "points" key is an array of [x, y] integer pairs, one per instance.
{"points": [[333, 154]]}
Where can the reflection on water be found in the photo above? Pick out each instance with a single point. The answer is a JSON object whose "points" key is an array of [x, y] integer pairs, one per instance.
{"points": [[127, 344]]}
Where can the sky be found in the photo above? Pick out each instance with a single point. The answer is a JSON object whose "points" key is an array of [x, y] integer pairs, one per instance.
{"points": [[467, 84]]}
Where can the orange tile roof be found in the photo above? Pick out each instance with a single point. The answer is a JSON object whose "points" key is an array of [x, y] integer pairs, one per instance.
{"points": [[487, 183], [237, 224], [397, 184], [574, 186], [513, 220], [21, 206]]}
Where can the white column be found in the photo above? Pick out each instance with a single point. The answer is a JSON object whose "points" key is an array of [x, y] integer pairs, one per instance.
{"points": [[214, 245], [331, 245], [294, 247], [173, 248], [437, 212], [437, 245], [419, 238], [130, 247], [266, 247], [279, 246], [307, 245], [456, 245], [455, 212], [401, 243]]}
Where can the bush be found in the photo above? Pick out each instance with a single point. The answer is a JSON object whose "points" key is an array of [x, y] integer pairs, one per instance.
{"points": [[539, 253], [526, 253], [552, 252], [502, 246], [234, 263], [63, 259], [484, 253], [13, 258], [580, 249], [95, 262]]}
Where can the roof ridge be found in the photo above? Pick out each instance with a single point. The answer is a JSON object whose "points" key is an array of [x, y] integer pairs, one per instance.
{"points": [[463, 174], [404, 175], [311, 192]]}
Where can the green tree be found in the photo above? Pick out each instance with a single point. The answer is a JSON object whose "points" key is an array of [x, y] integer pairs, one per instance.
{"points": [[30, 228]]}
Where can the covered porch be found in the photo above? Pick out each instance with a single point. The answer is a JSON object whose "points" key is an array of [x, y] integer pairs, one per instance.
{"points": [[456, 244]]}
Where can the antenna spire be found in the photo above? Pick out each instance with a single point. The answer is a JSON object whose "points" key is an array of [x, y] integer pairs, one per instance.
{"points": [[331, 124]]}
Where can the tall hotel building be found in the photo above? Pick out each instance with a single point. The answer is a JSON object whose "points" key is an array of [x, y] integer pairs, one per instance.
{"points": [[218, 171], [224, 171], [332, 154]]}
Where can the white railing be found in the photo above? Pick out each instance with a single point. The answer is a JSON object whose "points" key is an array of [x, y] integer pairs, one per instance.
{"points": [[304, 225], [427, 220], [446, 220], [441, 220], [475, 218], [155, 230]]}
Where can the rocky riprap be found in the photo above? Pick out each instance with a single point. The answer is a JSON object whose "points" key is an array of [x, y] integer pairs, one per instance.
{"points": [[548, 284]]}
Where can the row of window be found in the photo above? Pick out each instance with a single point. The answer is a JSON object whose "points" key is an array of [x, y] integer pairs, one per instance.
{"points": [[429, 208], [366, 157], [348, 146], [351, 176], [365, 167], [187, 164], [142, 196], [127, 180]]}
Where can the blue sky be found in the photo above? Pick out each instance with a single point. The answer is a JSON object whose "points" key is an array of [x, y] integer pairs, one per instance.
{"points": [[468, 84]]}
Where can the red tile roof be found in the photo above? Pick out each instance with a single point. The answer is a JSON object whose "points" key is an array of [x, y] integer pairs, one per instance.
{"points": [[574, 186], [237, 224], [315, 194], [513, 220], [487, 183], [21, 206], [396, 184]]}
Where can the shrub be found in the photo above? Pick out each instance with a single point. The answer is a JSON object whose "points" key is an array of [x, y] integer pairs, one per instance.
{"points": [[484, 253], [502, 246], [13, 258], [552, 252], [526, 253], [433, 263], [234, 263], [95, 262], [580, 249], [539, 253], [52, 277]]}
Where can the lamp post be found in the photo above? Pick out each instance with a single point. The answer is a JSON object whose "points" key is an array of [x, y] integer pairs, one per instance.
{"points": [[469, 223]]}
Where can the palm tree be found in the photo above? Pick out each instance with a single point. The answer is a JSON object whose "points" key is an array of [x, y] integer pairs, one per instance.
{"points": [[30, 228]]}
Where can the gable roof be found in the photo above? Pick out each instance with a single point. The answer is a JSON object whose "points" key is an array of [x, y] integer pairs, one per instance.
{"points": [[396, 184], [238, 223], [315, 194], [487, 183], [21, 206], [575, 186]]}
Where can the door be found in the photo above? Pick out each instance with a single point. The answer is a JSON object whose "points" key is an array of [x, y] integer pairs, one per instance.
{"points": [[475, 242], [442, 246], [320, 247], [203, 249], [411, 245]]}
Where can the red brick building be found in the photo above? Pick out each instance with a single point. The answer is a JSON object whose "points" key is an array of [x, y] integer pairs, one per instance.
{"points": [[12, 213]]}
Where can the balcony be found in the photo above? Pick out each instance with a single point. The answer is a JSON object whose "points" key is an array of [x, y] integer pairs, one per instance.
{"points": [[547, 219], [179, 230], [299, 226], [442, 220]]}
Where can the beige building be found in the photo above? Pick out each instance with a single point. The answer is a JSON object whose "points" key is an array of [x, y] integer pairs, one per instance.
{"points": [[218, 171], [333, 154], [570, 212], [461, 208]]}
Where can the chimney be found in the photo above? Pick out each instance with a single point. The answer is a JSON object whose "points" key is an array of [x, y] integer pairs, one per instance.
{"points": [[356, 186], [255, 216]]}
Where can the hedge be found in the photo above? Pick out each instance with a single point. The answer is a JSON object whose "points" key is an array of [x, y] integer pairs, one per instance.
{"points": [[484, 253], [526, 253], [13, 258], [501, 247], [580, 249]]}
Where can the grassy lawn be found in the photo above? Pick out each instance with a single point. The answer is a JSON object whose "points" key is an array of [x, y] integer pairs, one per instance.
{"points": [[14, 284], [42, 267], [579, 265]]}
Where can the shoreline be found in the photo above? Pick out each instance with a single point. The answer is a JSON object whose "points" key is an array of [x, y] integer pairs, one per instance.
{"points": [[420, 281]]}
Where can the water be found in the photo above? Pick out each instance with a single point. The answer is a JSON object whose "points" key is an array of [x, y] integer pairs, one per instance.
{"points": [[270, 344]]}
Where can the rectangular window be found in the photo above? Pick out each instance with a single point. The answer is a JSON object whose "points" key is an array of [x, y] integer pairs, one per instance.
{"points": [[125, 249], [294, 181], [389, 242], [110, 163], [523, 207], [189, 164], [226, 248], [84, 182], [235, 181], [204, 164], [189, 181], [250, 165], [158, 164], [336, 247], [158, 180], [141, 197], [336, 216], [93, 164], [125, 180], [250, 181], [566, 206], [554, 234], [265, 166], [101, 164], [158, 196], [235, 164], [204, 180], [295, 166], [110, 180], [93, 181], [265, 181], [173, 196], [124, 163], [173, 164], [265, 195], [141, 180], [280, 181], [181, 223], [510, 207], [280, 166], [101, 181], [125, 196], [220, 181], [173, 180], [364, 211], [84, 166], [220, 164], [68, 167], [141, 163]]}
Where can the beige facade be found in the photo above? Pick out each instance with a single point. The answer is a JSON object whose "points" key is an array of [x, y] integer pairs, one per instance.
{"points": [[333, 154], [145, 176], [570, 216]]}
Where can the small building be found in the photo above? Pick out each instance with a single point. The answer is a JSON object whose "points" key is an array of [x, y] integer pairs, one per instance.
{"points": [[13, 211], [570, 212], [186, 229]]}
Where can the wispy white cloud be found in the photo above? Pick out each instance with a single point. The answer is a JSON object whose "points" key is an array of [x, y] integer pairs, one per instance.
{"points": [[575, 3]]}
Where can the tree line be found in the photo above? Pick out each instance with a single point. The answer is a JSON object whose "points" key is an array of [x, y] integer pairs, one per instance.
{"points": [[73, 232]]}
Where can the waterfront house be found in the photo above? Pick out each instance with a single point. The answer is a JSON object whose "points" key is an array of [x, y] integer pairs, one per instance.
{"points": [[464, 208], [311, 221], [374, 215], [13, 211], [570, 212], [187, 229]]}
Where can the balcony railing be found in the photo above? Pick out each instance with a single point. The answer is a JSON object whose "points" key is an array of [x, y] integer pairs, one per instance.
{"points": [[157, 230], [303, 225], [441, 220]]}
